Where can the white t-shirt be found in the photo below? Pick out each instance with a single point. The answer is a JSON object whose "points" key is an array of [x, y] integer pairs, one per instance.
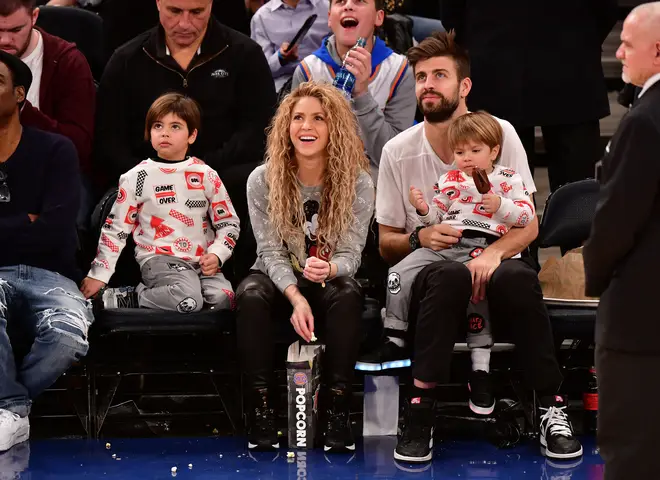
{"points": [[408, 159], [36, 63]]}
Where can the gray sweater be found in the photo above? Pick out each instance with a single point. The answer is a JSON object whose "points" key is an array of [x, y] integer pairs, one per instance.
{"points": [[377, 127], [275, 259]]}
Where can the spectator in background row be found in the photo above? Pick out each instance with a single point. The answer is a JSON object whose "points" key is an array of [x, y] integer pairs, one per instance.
{"points": [[62, 98], [538, 63], [39, 299], [383, 97], [276, 23], [194, 54], [423, 13]]}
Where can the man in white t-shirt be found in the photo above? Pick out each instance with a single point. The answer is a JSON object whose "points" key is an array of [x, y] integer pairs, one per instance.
{"points": [[442, 290]]}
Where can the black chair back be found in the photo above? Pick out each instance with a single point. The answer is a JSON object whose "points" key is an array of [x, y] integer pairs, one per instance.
{"points": [[568, 214], [78, 26]]}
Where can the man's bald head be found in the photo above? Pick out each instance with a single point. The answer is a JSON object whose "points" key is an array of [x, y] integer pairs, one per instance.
{"points": [[640, 44]]}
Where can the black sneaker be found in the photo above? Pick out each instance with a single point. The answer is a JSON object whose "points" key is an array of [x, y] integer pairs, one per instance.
{"points": [[482, 400], [416, 441], [387, 356], [338, 435], [262, 434], [557, 437]]}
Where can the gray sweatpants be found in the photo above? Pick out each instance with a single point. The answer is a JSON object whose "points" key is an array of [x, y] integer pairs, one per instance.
{"points": [[169, 283], [402, 276]]}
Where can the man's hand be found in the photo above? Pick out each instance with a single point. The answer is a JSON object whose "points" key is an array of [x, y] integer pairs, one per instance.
{"points": [[90, 287], [210, 264], [359, 64], [33, 217], [416, 198], [289, 57], [302, 318], [316, 270], [491, 202], [482, 268], [438, 237]]}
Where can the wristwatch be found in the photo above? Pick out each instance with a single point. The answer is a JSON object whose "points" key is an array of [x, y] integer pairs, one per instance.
{"points": [[413, 240]]}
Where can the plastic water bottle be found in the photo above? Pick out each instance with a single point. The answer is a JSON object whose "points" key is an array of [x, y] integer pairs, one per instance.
{"points": [[345, 80]]}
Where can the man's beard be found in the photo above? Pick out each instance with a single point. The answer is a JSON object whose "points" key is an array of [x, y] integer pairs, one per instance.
{"points": [[22, 48], [439, 113]]}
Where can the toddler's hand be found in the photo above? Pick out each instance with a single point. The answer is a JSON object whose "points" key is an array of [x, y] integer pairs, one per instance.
{"points": [[491, 202], [90, 287], [210, 264], [416, 198]]}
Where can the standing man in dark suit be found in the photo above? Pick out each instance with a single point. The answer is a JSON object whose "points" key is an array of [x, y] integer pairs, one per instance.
{"points": [[538, 63], [621, 264]]}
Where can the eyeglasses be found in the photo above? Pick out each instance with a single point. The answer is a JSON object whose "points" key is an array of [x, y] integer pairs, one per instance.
{"points": [[5, 195]]}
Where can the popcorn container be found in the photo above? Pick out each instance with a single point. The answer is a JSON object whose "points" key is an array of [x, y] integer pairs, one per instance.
{"points": [[303, 375]]}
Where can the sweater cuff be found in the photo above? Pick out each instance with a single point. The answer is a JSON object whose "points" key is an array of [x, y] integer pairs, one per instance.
{"points": [[222, 252], [100, 274], [364, 104], [285, 281], [343, 267], [426, 219]]}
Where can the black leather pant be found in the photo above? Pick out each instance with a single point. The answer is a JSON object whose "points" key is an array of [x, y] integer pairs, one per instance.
{"points": [[337, 310]]}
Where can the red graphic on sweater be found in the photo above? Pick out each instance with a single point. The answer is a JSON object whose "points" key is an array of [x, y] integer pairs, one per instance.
{"points": [[182, 218], [108, 243], [440, 205], [200, 251], [108, 222], [187, 259], [524, 204], [232, 298], [131, 216], [197, 161], [195, 180], [220, 210], [215, 180], [455, 176], [523, 219], [103, 263], [451, 193], [205, 226], [183, 244], [476, 252], [480, 209], [121, 195], [148, 248], [506, 188], [165, 250], [436, 188], [467, 200], [501, 229], [230, 241], [161, 229], [167, 170]]}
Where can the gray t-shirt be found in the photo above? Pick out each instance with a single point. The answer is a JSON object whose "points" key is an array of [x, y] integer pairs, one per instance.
{"points": [[275, 259]]}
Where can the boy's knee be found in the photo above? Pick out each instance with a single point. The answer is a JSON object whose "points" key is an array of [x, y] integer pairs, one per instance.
{"points": [[219, 298], [187, 299]]}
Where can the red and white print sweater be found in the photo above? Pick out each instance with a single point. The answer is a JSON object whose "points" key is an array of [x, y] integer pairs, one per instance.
{"points": [[172, 208], [457, 202]]}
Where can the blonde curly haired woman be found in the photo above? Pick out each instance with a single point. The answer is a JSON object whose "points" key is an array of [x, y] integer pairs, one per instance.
{"points": [[310, 208]]}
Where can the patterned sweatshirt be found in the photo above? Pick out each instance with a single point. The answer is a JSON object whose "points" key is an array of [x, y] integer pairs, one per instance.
{"points": [[171, 208], [457, 202], [283, 266]]}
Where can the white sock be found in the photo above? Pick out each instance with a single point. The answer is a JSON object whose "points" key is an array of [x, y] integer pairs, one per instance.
{"points": [[397, 341], [481, 359]]}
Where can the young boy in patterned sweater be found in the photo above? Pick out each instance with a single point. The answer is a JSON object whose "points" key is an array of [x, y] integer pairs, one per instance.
{"points": [[180, 215]]}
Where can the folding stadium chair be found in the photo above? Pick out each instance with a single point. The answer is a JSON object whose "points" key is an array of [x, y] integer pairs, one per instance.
{"points": [[78, 26]]}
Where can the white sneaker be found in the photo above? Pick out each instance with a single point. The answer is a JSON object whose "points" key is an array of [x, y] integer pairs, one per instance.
{"points": [[122, 297], [13, 429]]}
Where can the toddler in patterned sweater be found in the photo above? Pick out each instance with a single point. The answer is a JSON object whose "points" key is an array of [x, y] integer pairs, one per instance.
{"points": [[180, 216]]}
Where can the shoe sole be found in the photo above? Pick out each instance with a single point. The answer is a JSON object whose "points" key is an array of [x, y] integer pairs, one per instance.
{"points": [[560, 456], [252, 446], [350, 448], [404, 458], [482, 410], [20, 436]]}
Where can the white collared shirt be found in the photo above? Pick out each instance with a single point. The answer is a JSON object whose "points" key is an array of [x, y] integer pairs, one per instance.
{"points": [[35, 61], [167, 50], [649, 83]]}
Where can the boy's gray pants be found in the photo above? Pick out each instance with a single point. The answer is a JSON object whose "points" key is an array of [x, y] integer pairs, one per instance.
{"points": [[401, 279], [169, 283]]}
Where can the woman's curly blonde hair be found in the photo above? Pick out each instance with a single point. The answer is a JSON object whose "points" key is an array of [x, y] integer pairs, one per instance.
{"points": [[346, 160]]}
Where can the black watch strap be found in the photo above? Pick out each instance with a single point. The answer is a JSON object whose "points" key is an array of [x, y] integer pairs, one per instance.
{"points": [[414, 239]]}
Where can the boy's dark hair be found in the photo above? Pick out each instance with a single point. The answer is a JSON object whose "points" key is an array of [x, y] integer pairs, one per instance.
{"points": [[441, 44], [180, 105], [380, 4], [7, 7], [478, 127]]}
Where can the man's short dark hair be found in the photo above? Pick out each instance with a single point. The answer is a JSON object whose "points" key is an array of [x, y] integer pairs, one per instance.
{"points": [[441, 44], [380, 4], [180, 105], [7, 7]]}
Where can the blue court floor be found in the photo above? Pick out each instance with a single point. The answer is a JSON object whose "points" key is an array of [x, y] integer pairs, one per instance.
{"points": [[226, 457]]}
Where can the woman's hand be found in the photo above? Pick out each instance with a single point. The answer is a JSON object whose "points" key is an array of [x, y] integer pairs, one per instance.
{"points": [[482, 268], [316, 270], [90, 287], [302, 318]]}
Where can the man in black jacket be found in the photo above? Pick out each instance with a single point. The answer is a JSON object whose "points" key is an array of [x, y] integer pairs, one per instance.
{"points": [[621, 264], [223, 70], [538, 63]]}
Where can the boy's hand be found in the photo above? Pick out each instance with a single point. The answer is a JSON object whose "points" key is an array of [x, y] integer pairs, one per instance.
{"points": [[416, 198], [90, 287], [491, 202], [210, 264], [359, 64]]}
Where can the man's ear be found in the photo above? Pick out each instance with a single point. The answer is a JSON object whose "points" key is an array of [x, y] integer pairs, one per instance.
{"points": [[466, 86], [20, 93], [35, 15]]}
